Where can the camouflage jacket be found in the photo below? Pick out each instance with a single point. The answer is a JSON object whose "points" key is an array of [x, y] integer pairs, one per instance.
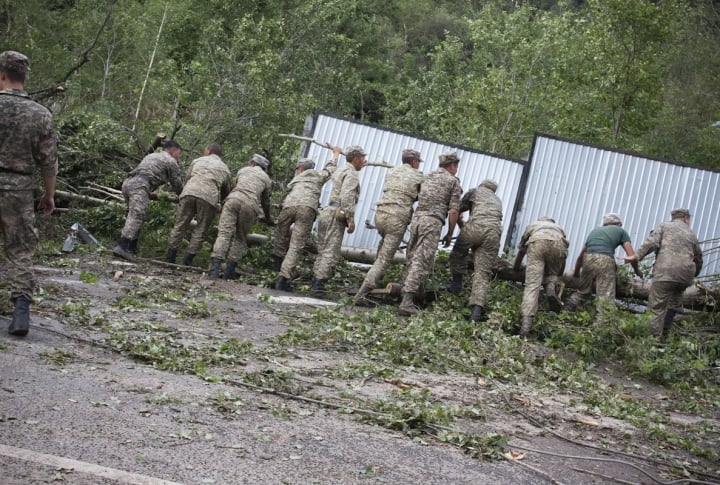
{"points": [[485, 207], [160, 168], [542, 231], [400, 190], [346, 190], [28, 141], [209, 179], [253, 186], [678, 256], [305, 188], [440, 192]]}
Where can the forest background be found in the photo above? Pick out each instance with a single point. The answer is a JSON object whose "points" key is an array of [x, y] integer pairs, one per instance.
{"points": [[635, 75]]}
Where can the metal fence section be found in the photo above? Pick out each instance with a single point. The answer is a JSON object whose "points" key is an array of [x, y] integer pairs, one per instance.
{"points": [[386, 145], [576, 184]]}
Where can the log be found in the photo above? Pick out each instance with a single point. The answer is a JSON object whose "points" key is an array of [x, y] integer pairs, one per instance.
{"points": [[85, 198]]}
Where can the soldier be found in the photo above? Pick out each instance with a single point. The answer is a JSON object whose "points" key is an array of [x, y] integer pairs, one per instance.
{"points": [[481, 234], [299, 209], [439, 198], [337, 216], [394, 212], [678, 259], [546, 245], [139, 187], [208, 183], [28, 143], [597, 261], [240, 211]]}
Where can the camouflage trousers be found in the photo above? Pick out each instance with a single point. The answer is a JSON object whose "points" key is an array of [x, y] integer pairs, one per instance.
{"points": [[192, 207], [545, 264], [236, 219], [17, 219], [392, 230], [330, 236], [291, 241], [664, 296], [136, 192], [424, 238], [484, 241], [600, 270]]}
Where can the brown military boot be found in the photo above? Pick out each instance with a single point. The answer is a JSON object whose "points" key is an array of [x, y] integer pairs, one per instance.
{"points": [[407, 306], [527, 321]]}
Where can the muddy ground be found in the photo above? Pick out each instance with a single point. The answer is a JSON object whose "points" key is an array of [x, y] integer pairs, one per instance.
{"points": [[75, 409]]}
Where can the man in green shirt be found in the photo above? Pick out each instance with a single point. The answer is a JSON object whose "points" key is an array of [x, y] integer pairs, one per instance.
{"points": [[596, 263]]}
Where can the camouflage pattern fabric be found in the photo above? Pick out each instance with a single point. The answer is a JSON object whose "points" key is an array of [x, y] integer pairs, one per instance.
{"points": [[28, 144], [159, 169], [678, 255], [209, 179], [330, 236], [305, 188], [17, 219], [189, 208], [346, 190], [598, 269], [236, 219], [136, 191], [394, 212], [440, 192], [664, 296], [545, 262], [291, 243], [253, 186], [424, 237]]}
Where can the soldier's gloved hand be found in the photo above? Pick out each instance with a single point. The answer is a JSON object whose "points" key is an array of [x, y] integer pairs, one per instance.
{"points": [[351, 227]]}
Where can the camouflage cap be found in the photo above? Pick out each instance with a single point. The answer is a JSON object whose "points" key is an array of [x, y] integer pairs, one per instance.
{"points": [[14, 61], [305, 164], [260, 161], [448, 158], [490, 184], [679, 213], [354, 151], [410, 154], [611, 218]]}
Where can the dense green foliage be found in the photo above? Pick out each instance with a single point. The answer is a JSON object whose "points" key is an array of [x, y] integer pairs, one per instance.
{"points": [[488, 74]]}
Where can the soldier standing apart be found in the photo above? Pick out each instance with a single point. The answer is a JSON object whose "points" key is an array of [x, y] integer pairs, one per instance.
{"points": [[439, 198], [481, 233], [299, 210], [28, 142], [208, 183], [139, 187], [597, 261], [678, 259], [546, 245], [394, 212], [337, 216], [249, 199]]}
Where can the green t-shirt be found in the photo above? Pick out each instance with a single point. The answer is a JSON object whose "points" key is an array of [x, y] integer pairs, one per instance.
{"points": [[604, 240]]}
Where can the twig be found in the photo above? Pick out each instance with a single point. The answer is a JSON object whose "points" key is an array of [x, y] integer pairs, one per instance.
{"points": [[152, 60]]}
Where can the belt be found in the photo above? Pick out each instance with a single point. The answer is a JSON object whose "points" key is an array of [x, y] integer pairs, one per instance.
{"points": [[599, 249], [17, 172]]}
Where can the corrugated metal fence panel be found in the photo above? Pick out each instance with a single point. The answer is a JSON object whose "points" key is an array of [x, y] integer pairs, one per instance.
{"points": [[576, 184], [385, 145]]}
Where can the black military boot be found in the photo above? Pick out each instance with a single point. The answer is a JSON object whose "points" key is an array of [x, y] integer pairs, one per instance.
{"points": [[21, 317], [318, 286], [122, 249], [527, 321], [132, 246], [553, 301], [455, 285], [229, 273], [171, 255], [277, 263], [188, 259], [407, 306], [214, 272], [478, 314], [361, 298], [282, 284], [667, 323]]}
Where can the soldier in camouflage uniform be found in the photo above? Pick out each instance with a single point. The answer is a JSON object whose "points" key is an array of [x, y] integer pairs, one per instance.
{"points": [[546, 245], [249, 199], [208, 183], [678, 259], [139, 187], [481, 234], [394, 212], [439, 198], [597, 261], [299, 210], [337, 216], [28, 143]]}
